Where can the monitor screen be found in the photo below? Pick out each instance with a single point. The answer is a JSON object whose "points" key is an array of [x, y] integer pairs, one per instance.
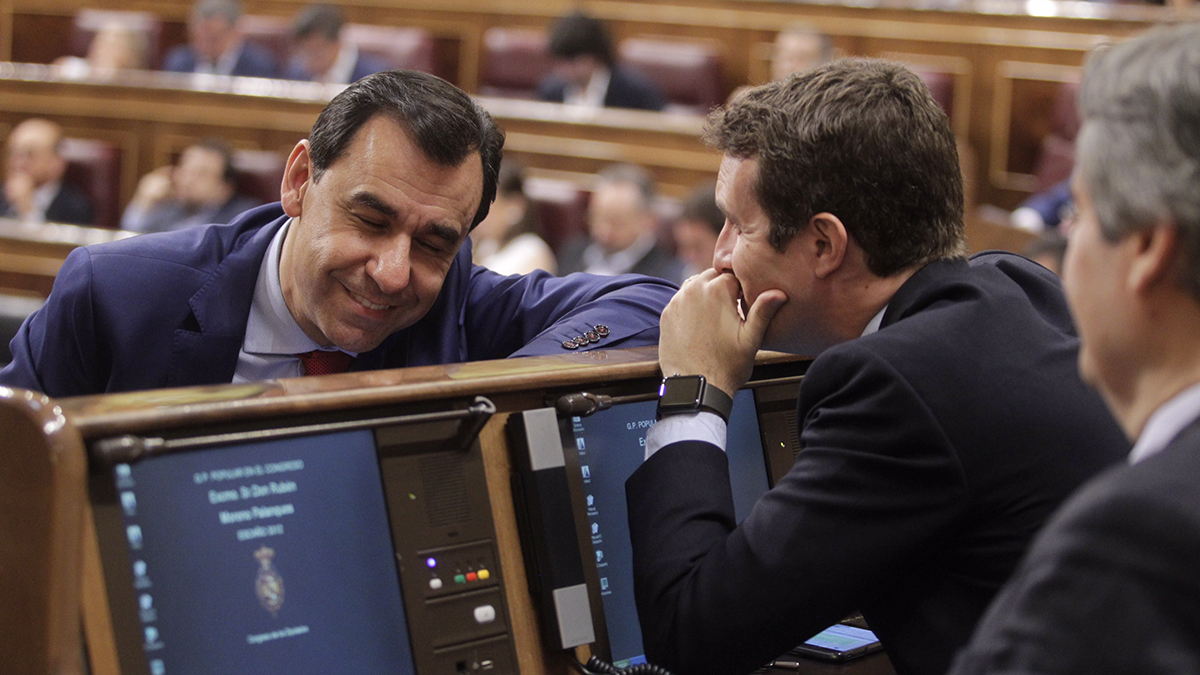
{"points": [[270, 556], [611, 446]]}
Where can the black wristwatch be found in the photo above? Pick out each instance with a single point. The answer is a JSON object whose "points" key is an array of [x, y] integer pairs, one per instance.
{"points": [[689, 394]]}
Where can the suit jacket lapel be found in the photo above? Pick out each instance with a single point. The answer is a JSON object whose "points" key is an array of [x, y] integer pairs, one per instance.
{"points": [[207, 352]]}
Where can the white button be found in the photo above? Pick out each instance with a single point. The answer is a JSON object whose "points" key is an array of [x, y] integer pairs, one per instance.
{"points": [[485, 614], [435, 583]]}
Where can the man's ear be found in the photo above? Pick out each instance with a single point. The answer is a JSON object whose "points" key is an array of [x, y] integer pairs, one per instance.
{"points": [[1153, 256], [829, 241], [296, 181]]}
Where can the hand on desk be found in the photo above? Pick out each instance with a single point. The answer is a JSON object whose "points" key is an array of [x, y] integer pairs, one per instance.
{"points": [[703, 333]]}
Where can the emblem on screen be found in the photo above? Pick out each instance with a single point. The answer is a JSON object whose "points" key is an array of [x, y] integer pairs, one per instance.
{"points": [[269, 584]]}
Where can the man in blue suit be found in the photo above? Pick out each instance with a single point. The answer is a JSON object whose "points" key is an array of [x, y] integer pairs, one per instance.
{"points": [[216, 45], [320, 53], [363, 263]]}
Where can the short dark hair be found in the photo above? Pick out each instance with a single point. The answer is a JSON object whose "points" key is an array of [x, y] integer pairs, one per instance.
{"points": [[324, 21], [444, 122], [225, 150], [861, 139], [700, 206], [578, 34]]}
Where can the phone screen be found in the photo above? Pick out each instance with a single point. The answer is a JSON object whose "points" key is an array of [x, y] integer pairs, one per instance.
{"points": [[841, 638]]}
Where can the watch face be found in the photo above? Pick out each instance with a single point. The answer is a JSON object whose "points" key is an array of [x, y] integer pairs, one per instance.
{"points": [[681, 392]]}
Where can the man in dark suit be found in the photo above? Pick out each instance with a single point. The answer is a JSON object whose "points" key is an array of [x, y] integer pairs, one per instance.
{"points": [[586, 73], [940, 424], [216, 46], [622, 230], [1112, 585], [34, 190], [201, 189], [362, 265], [320, 53]]}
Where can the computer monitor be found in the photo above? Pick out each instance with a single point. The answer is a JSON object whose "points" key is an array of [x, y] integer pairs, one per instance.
{"points": [[611, 446], [366, 550]]}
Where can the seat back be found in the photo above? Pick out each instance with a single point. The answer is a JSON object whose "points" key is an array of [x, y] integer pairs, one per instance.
{"points": [[688, 73], [941, 87], [95, 167], [514, 61], [410, 48], [259, 173], [89, 21]]}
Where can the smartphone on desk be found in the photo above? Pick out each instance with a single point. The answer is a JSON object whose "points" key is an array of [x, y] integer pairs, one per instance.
{"points": [[838, 643]]}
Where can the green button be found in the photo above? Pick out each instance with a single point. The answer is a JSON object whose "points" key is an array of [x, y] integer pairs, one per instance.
{"points": [[460, 579]]}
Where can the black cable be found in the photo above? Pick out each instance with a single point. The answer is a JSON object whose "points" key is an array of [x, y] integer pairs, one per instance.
{"points": [[595, 666]]}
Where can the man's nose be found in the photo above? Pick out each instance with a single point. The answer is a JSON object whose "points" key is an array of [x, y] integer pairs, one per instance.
{"points": [[723, 253], [391, 268]]}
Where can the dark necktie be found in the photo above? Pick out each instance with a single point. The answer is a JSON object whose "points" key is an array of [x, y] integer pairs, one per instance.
{"points": [[322, 362]]}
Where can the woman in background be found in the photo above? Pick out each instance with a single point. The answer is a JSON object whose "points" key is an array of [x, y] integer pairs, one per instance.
{"points": [[507, 241]]}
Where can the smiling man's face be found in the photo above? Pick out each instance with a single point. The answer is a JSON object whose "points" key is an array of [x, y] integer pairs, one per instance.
{"points": [[371, 242]]}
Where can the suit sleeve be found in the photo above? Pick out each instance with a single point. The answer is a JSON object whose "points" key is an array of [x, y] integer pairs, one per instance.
{"points": [[534, 314], [55, 350], [874, 482], [1110, 586]]}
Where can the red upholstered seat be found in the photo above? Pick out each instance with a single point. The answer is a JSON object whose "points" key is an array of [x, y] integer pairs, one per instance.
{"points": [[1057, 157], [89, 21], [514, 61], [259, 173], [562, 208], [1064, 120], [689, 73], [95, 167], [941, 87], [410, 48]]}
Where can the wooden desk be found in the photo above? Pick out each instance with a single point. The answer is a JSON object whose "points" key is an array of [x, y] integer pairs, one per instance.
{"points": [[153, 116], [62, 429], [31, 255]]}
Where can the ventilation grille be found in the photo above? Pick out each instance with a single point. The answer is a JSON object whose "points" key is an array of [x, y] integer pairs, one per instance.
{"points": [[445, 489], [793, 427]]}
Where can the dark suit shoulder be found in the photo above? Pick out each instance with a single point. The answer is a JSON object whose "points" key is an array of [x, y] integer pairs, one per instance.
{"points": [[628, 88], [659, 263], [552, 88], [70, 205]]}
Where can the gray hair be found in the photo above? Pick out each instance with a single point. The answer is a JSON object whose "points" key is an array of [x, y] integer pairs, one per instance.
{"points": [[1139, 148], [230, 10], [629, 174]]}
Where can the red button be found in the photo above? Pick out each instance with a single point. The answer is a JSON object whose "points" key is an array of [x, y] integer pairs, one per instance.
{"points": [[471, 576]]}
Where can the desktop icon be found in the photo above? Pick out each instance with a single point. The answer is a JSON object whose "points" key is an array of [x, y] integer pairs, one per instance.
{"points": [[587, 472], [124, 474], [134, 533], [129, 504]]}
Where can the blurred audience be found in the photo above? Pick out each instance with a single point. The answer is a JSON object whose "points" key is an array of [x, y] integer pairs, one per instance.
{"points": [[319, 54], [34, 191], [1048, 250], [114, 47], [1045, 210], [506, 241], [216, 46], [200, 189], [697, 229], [798, 48], [585, 71], [622, 230]]}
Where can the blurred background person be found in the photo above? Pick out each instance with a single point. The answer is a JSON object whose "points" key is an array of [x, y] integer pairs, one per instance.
{"points": [[585, 71], [215, 45], [622, 230], [200, 189], [696, 230], [798, 48], [1048, 250], [506, 241], [114, 47], [34, 190], [320, 54]]}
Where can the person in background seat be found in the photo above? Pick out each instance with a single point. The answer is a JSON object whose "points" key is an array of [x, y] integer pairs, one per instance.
{"points": [[585, 71], [215, 45], [320, 54], [34, 191]]}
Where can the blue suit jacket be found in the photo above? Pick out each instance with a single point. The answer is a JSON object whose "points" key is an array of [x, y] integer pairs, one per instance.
{"points": [[626, 89], [170, 309], [254, 61]]}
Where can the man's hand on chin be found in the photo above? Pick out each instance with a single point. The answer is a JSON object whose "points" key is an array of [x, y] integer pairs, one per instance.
{"points": [[703, 333]]}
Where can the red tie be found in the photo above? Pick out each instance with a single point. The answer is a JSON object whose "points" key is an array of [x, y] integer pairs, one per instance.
{"points": [[323, 362]]}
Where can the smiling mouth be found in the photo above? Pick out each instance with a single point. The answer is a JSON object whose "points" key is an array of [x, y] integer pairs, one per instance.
{"points": [[367, 303]]}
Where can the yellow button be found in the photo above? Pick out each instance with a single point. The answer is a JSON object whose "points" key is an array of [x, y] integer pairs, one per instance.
{"points": [[484, 574]]}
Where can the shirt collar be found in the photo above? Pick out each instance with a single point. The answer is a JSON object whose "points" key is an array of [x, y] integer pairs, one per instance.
{"points": [[1165, 424], [595, 91], [271, 329], [875, 322]]}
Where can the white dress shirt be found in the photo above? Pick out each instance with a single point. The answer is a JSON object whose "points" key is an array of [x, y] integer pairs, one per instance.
{"points": [[592, 95], [706, 426], [273, 338], [1165, 424]]}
